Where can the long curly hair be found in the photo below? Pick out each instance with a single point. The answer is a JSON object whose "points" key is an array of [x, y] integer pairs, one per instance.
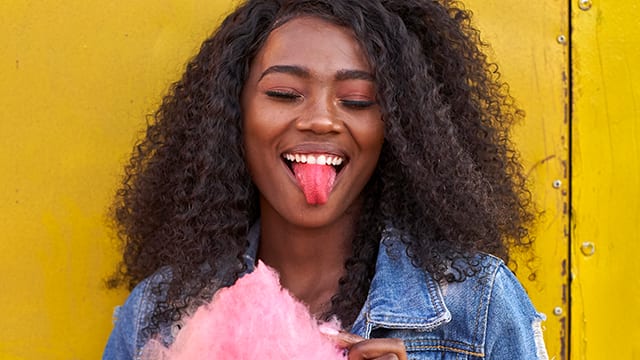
{"points": [[448, 179]]}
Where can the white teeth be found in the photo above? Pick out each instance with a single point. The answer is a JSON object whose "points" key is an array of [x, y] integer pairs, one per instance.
{"points": [[313, 159]]}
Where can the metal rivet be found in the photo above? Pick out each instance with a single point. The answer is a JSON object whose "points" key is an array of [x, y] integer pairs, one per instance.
{"points": [[557, 311], [588, 248], [585, 4], [562, 39], [557, 184]]}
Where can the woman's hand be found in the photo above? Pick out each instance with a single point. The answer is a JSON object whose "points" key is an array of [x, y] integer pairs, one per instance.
{"points": [[380, 349]]}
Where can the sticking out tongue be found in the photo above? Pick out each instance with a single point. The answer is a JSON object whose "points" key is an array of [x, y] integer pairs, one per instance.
{"points": [[316, 181]]}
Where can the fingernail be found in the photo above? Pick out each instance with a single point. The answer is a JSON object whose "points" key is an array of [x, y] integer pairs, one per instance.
{"points": [[327, 330]]}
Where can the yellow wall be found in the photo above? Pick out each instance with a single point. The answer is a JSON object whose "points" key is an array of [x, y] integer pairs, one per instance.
{"points": [[533, 59], [606, 181], [76, 81]]}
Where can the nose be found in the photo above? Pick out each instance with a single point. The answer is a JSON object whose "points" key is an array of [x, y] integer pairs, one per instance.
{"points": [[321, 117]]}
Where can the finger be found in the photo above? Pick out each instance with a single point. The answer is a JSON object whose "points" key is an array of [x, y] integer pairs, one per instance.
{"points": [[343, 339], [378, 349], [387, 357], [383, 357]]}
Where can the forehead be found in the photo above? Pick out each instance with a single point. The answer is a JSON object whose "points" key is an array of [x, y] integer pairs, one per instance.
{"points": [[314, 43]]}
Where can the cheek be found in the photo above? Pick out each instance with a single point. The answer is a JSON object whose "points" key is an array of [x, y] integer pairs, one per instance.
{"points": [[254, 150], [371, 136], [370, 139], [255, 128], [252, 143], [379, 134], [263, 121]]}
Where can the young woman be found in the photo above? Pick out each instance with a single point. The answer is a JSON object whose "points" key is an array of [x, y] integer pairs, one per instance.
{"points": [[361, 149]]}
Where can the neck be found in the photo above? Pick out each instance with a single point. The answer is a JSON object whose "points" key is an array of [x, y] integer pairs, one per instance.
{"points": [[310, 261]]}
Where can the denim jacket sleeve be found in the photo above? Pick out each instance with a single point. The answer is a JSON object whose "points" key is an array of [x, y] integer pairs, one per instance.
{"points": [[127, 337], [514, 328], [123, 341]]}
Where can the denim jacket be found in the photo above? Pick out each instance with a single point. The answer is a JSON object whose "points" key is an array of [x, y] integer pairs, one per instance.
{"points": [[488, 316]]}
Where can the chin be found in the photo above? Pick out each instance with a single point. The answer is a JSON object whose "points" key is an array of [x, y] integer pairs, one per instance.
{"points": [[316, 216]]}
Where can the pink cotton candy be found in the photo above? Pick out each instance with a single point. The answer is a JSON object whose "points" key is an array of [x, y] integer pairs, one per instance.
{"points": [[253, 319]]}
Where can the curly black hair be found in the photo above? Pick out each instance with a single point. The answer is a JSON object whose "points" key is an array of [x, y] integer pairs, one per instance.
{"points": [[448, 179]]}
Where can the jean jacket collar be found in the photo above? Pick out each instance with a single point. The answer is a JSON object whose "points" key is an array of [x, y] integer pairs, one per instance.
{"points": [[401, 295]]}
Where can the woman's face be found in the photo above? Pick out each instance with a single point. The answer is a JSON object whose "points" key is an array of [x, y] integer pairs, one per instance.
{"points": [[312, 125]]}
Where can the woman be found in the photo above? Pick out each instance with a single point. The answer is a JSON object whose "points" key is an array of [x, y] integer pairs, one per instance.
{"points": [[360, 149]]}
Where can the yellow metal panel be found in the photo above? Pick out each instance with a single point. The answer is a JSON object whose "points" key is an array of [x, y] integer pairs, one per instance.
{"points": [[76, 80], [606, 180], [530, 41]]}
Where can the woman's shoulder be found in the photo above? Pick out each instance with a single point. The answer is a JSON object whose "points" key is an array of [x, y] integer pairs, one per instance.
{"points": [[490, 285], [491, 313], [131, 318], [488, 314]]}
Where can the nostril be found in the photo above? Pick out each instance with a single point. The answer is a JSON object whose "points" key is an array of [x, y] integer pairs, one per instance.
{"points": [[321, 123]]}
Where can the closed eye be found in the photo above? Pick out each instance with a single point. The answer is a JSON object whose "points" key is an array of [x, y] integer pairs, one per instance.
{"points": [[283, 95], [357, 104]]}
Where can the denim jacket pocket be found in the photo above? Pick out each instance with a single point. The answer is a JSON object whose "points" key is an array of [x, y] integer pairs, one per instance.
{"points": [[430, 345]]}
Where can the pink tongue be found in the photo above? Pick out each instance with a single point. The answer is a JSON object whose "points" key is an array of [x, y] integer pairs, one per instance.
{"points": [[316, 181]]}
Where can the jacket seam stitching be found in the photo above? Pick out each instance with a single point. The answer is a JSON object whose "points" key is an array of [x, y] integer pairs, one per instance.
{"points": [[139, 318], [441, 347], [494, 275], [481, 304]]}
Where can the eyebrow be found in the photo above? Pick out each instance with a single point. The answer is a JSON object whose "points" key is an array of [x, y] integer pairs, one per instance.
{"points": [[287, 69], [304, 72], [354, 75]]}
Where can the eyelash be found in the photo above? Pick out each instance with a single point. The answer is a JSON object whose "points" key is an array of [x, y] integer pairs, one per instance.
{"points": [[292, 96], [283, 95], [357, 104]]}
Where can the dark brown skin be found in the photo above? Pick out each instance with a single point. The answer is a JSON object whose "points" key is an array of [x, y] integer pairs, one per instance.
{"points": [[360, 348], [310, 91]]}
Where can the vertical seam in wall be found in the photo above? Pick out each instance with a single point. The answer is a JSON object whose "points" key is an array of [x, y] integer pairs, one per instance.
{"points": [[570, 218]]}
